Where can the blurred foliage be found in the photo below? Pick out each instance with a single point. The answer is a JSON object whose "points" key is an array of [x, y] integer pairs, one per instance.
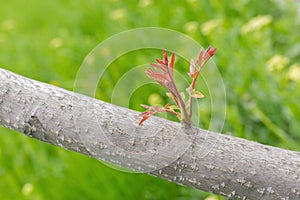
{"points": [[258, 56]]}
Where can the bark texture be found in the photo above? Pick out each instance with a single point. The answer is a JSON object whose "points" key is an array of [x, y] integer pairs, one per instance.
{"points": [[221, 164]]}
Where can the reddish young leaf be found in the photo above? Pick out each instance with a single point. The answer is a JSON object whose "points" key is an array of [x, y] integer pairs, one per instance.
{"points": [[200, 57], [145, 117], [210, 51], [159, 77], [151, 110], [165, 57], [171, 67]]}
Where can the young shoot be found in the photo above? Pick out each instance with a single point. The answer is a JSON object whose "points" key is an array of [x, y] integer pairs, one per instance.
{"points": [[163, 72]]}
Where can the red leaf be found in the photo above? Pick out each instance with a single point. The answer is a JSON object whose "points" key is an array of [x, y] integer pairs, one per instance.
{"points": [[161, 66], [161, 78], [200, 57], [171, 66], [160, 61], [165, 57], [210, 51], [145, 117], [172, 61]]}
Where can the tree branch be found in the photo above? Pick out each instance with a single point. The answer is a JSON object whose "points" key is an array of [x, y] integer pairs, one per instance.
{"points": [[221, 164]]}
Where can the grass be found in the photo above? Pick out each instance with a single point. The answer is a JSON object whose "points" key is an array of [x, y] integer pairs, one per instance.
{"points": [[258, 57]]}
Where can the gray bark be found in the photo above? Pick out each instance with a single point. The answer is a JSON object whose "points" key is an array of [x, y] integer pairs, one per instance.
{"points": [[221, 164]]}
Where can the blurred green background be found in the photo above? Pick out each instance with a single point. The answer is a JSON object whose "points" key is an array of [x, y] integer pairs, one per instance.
{"points": [[258, 57]]}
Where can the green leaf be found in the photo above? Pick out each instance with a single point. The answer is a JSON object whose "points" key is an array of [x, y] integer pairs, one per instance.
{"points": [[197, 94], [174, 107]]}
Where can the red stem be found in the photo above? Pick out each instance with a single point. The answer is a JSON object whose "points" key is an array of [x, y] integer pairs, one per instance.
{"points": [[185, 116]]}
